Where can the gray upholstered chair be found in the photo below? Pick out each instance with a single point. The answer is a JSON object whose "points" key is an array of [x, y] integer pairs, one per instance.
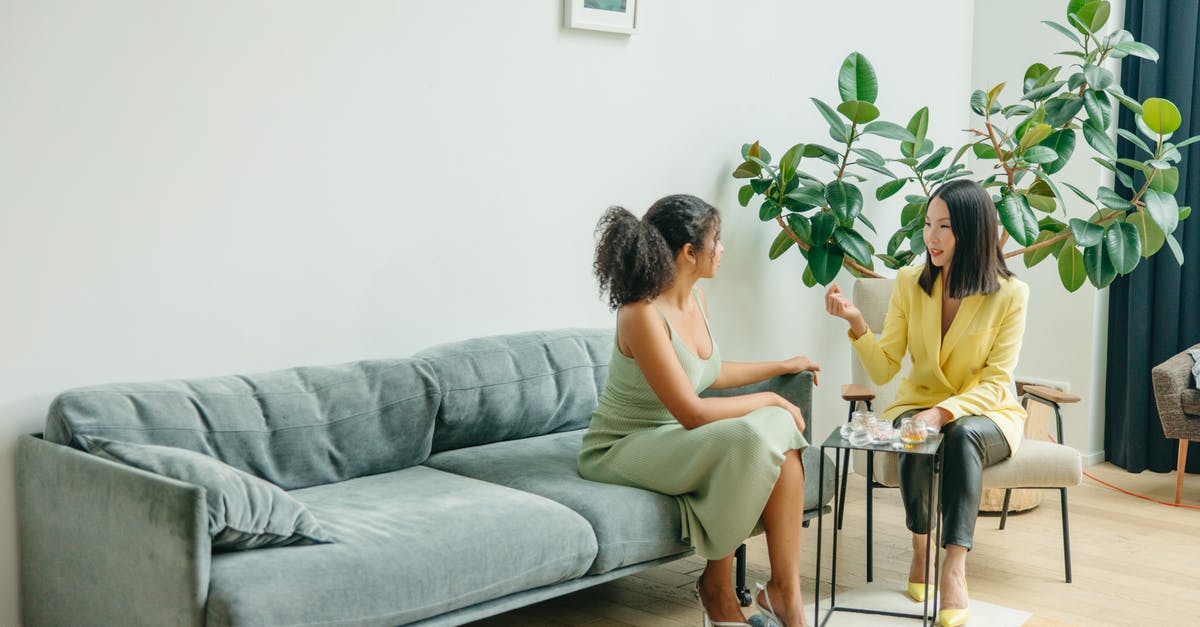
{"points": [[1038, 464], [1178, 404]]}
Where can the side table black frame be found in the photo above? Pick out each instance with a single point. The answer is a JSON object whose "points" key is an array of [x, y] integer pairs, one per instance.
{"points": [[931, 448]]}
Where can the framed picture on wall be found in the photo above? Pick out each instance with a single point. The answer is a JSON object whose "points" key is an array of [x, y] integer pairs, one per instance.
{"points": [[614, 16]]}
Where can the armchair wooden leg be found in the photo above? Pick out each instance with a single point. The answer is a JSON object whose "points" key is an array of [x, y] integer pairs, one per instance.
{"points": [[1180, 463]]}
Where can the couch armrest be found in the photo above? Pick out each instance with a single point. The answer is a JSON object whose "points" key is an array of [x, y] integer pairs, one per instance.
{"points": [[106, 544], [797, 388]]}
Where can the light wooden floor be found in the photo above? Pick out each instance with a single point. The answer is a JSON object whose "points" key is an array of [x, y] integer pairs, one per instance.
{"points": [[1135, 562]]}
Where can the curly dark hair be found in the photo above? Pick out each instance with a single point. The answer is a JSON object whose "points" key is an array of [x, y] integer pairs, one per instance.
{"points": [[635, 259]]}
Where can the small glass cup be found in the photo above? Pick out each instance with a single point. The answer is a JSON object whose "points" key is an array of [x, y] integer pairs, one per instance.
{"points": [[912, 430], [862, 423]]}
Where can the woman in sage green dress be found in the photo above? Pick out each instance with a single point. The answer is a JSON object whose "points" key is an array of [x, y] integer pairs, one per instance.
{"points": [[733, 463]]}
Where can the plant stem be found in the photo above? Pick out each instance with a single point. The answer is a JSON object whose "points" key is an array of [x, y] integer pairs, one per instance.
{"points": [[846, 261], [846, 155]]}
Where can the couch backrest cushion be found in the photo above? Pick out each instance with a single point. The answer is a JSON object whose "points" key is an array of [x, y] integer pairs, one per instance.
{"points": [[295, 428], [507, 387]]}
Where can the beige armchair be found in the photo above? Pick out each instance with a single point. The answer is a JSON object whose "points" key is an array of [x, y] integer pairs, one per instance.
{"points": [[1178, 403], [1038, 464]]}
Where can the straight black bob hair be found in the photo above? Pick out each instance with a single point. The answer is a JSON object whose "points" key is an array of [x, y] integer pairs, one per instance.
{"points": [[978, 261]]}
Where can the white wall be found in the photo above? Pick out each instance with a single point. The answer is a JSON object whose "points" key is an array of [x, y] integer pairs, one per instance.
{"points": [[1065, 336], [201, 188]]}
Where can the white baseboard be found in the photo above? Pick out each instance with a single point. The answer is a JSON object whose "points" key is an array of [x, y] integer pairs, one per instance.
{"points": [[1093, 458]]}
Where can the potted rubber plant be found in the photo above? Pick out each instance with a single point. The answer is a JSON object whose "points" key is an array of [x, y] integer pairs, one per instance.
{"points": [[1022, 136]]}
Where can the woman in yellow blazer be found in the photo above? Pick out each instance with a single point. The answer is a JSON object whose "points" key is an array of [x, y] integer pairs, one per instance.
{"points": [[961, 317]]}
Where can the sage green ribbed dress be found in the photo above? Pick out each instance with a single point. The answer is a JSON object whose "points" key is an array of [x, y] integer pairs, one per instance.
{"points": [[720, 473]]}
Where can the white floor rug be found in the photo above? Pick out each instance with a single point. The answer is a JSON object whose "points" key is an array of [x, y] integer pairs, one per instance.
{"points": [[890, 596]]}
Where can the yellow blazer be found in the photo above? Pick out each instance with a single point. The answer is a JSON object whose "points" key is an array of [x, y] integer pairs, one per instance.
{"points": [[970, 371]]}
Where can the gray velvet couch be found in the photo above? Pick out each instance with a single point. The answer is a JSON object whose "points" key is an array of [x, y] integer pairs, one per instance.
{"points": [[447, 482]]}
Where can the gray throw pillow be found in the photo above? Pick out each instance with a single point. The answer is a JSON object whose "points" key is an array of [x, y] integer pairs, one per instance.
{"points": [[1195, 353], [244, 512]]}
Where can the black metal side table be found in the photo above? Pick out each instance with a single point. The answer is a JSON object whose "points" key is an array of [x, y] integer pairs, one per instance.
{"points": [[931, 449]]}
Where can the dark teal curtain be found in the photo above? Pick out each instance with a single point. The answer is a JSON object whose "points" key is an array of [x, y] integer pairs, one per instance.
{"points": [[1154, 312]]}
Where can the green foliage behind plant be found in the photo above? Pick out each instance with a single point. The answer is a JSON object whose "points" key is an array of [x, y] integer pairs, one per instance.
{"points": [[1020, 146]]}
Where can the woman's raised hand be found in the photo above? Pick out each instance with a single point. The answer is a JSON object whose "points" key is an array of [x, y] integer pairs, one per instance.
{"points": [[839, 306]]}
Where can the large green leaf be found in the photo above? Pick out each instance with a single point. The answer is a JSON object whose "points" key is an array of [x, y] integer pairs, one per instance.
{"points": [[837, 127], [1040, 196], [854, 245], [769, 210], [1035, 256], [1097, 77], [823, 225], [1040, 154], [1080, 193], [1098, 266], [801, 226], [807, 277], [1162, 209], [1137, 49], [1034, 136], [1108, 197], [791, 159], [1017, 218], [1070, 268], [825, 262], [1129, 103], [1033, 73], [1092, 16], [1123, 246], [1086, 233], [745, 193], [1135, 140], [984, 151], [1166, 181], [1061, 109], [1099, 109], [1043, 92], [912, 215], [807, 197], [933, 160], [748, 169], [858, 111], [1062, 29], [856, 79], [1151, 236], [916, 242], [845, 199], [1161, 115], [890, 130], [889, 188], [918, 125], [1100, 141], [782, 242], [1176, 249], [1062, 142]]}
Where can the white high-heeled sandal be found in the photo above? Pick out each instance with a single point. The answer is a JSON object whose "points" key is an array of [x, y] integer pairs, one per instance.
{"points": [[708, 622], [768, 612]]}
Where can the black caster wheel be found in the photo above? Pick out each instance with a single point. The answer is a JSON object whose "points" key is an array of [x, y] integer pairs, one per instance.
{"points": [[743, 595]]}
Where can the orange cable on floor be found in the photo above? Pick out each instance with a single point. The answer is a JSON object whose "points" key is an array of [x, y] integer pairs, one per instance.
{"points": [[1128, 492]]}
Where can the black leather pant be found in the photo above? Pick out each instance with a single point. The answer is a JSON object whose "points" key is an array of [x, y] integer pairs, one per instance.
{"points": [[969, 444]]}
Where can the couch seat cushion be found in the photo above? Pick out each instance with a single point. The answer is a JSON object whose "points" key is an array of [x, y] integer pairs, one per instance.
{"points": [[411, 544], [631, 525]]}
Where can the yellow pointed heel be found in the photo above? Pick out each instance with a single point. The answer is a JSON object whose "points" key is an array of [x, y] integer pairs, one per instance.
{"points": [[953, 618], [916, 590]]}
